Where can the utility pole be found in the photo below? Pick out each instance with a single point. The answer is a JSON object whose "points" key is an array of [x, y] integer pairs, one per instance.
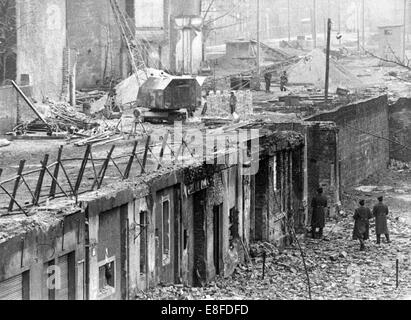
{"points": [[314, 23], [363, 24], [258, 38], [327, 67], [289, 21], [358, 26], [339, 19], [404, 40]]}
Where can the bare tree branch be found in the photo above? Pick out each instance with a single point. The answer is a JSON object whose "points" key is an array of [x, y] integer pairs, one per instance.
{"points": [[208, 9], [397, 61], [224, 15]]}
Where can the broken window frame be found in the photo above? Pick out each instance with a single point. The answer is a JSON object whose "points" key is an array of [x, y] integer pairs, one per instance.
{"points": [[51, 292], [166, 247], [234, 225], [275, 174], [107, 290], [143, 215]]}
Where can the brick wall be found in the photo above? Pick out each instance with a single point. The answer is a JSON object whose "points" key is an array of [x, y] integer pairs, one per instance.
{"points": [[400, 129], [361, 154], [319, 159], [261, 201], [200, 261], [322, 162]]}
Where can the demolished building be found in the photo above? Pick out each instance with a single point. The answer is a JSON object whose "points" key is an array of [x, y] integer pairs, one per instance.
{"points": [[310, 70], [187, 222], [81, 44], [176, 225]]}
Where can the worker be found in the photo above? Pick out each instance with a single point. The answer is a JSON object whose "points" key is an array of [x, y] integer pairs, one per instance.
{"points": [[284, 81], [380, 213], [267, 77], [204, 104], [233, 103], [319, 205], [362, 218]]}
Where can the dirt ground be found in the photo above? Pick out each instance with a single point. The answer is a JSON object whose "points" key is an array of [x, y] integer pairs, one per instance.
{"points": [[337, 269], [34, 151]]}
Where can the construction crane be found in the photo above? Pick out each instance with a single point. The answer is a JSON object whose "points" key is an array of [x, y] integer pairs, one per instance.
{"points": [[134, 47], [167, 98]]}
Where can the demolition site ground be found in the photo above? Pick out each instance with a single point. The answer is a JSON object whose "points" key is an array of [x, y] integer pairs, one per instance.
{"points": [[336, 268]]}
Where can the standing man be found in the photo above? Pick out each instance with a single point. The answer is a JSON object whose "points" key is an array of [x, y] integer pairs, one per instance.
{"points": [[267, 77], [362, 218], [233, 103], [318, 205], [283, 81], [204, 104], [380, 213]]}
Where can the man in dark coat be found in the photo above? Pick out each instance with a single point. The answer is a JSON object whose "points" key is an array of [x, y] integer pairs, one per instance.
{"points": [[284, 81], [319, 205], [380, 213], [233, 103], [268, 77], [362, 216]]}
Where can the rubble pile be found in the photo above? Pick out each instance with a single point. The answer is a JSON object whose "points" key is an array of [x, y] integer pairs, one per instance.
{"points": [[68, 118], [83, 97], [336, 268], [399, 165], [107, 131], [311, 70], [60, 117]]}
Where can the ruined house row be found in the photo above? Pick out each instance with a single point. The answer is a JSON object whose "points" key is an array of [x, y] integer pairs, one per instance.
{"points": [[183, 226], [187, 224]]}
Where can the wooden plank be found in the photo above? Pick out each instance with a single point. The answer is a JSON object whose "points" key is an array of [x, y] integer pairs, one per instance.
{"points": [[117, 167], [143, 168], [54, 180], [27, 186], [103, 170], [82, 169], [40, 180], [181, 146], [67, 177], [37, 137], [93, 165], [56, 174], [15, 201], [25, 98], [16, 184], [160, 161], [130, 162]]}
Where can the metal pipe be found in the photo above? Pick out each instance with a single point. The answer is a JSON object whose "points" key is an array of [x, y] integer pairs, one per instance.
{"points": [[258, 38], [404, 40], [327, 68]]}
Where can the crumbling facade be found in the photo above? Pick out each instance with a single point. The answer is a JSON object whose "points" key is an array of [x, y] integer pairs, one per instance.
{"points": [[179, 225]]}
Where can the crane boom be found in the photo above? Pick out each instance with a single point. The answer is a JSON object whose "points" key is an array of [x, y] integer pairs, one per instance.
{"points": [[134, 47]]}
